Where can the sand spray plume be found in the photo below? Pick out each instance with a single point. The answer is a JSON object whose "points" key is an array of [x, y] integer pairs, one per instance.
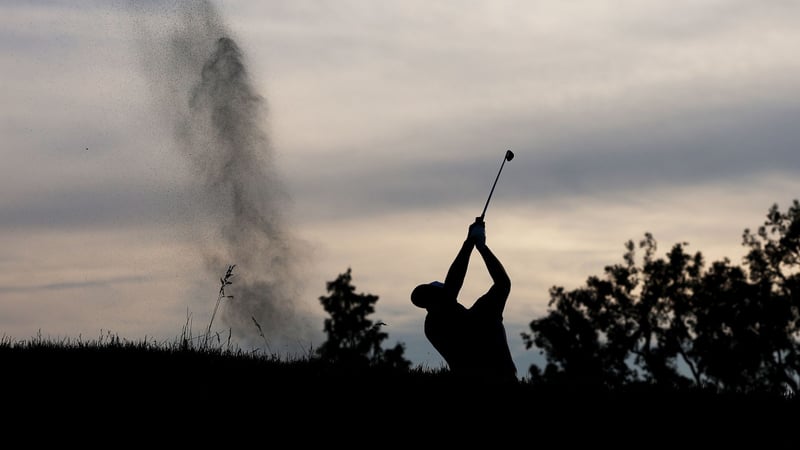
{"points": [[202, 86]]}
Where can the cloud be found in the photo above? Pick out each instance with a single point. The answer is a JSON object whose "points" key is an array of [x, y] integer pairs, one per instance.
{"points": [[66, 285], [694, 148], [373, 115]]}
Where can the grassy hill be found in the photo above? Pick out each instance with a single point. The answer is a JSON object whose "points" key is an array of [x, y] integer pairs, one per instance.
{"points": [[123, 382]]}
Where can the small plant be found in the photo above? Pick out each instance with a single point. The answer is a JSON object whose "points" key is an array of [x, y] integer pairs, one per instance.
{"points": [[261, 333], [224, 281]]}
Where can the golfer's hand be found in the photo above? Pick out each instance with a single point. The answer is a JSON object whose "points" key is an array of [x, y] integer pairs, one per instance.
{"points": [[477, 233]]}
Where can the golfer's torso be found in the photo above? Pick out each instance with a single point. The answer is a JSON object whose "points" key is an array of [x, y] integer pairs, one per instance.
{"points": [[459, 336]]}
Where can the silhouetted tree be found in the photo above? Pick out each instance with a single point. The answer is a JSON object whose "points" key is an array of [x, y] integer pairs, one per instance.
{"points": [[671, 322], [353, 339], [725, 347], [626, 327], [774, 262]]}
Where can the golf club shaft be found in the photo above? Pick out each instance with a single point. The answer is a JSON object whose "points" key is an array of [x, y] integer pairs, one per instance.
{"points": [[492, 191]]}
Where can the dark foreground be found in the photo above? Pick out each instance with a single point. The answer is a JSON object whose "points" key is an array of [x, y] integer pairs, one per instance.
{"points": [[134, 393]]}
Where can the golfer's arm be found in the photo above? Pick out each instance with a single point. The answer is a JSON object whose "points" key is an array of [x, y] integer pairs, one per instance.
{"points": [[496, 269], [458, 269]]}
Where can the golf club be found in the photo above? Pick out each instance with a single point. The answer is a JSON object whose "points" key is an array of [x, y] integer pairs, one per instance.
{"points": [[508, 157]]}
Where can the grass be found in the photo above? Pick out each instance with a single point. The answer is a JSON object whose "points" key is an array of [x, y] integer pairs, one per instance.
{"points": [[188, 388], [112, 358]]}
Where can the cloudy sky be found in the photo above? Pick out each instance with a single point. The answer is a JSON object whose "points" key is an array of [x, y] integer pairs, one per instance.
{"points": [[383, 126]]}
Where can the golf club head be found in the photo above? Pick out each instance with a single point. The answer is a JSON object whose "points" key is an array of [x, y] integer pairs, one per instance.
{"points": [[509, 155]]}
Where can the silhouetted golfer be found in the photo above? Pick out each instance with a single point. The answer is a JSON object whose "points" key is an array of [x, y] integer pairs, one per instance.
{"points": [[471, 340]]}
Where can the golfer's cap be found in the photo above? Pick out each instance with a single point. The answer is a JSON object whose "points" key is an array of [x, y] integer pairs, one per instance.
{"points": [[436, 283]]}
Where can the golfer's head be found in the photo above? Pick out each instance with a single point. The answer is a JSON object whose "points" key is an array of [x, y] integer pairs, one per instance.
{"points": [[428, 294]]}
